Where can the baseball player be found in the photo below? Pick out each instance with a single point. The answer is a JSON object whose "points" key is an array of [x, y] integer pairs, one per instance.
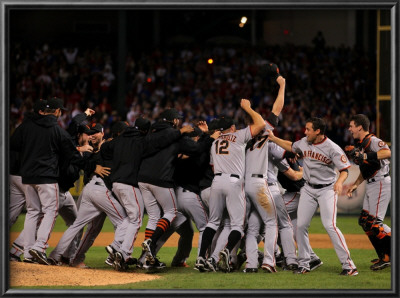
{"points": [[291, 181], [373, 159], [40, 141], [188, 172], [127, 152], [256, 185], [96, 199], [320, 158], [228, 159], [286, 233]]}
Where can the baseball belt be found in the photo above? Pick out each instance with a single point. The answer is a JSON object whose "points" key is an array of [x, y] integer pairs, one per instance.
{"points": [[232, 175], [319, 186], [377, 178]]}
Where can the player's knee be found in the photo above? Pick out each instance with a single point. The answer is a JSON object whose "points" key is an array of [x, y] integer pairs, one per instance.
{"points": [[378, 229], [370, 221]]}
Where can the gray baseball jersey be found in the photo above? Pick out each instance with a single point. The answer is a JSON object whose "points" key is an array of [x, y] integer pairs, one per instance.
{"points": [[258, 192], [319, 163], [378, 189], [285, 226], [228, 160]]}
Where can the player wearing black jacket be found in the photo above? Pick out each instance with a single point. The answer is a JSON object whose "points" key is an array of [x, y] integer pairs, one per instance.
{"points": [[127, 152], [40, 142], [156, 181]]}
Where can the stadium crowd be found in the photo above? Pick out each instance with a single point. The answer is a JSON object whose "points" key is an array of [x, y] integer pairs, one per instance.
{"points": [[330, 83]]}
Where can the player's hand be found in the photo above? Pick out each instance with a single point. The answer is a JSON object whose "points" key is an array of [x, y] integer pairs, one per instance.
{"points": [[89, 112], [86, 148], [338, 188], [245, 104], [203, 126], [186, 129], [216, 134], [281, 81], [102, 171], [271, 135], [351, 190]]}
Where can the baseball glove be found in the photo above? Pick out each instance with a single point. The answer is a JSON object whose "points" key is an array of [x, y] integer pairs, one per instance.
{"points": [[351, 152], [368, 168]]}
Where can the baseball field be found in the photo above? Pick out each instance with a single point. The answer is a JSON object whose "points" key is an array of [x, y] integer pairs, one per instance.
{"points": [[101, 276]]}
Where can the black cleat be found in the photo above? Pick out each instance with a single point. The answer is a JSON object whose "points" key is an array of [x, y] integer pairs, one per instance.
{"points": [[291, 267], [39, 257], [301, 270], [352, 272], [315, 264], [200, 264], [380, 265], [14, 258], [224, 258], [250, 270]]}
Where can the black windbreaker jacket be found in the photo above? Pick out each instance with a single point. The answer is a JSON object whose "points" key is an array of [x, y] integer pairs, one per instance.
{"points": [[40, 142], [128, 150], [159, 168], [195, 173]]}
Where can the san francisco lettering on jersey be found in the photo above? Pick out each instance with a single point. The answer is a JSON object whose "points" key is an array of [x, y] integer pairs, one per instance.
{"points": [[230, 138], [317, 156]]}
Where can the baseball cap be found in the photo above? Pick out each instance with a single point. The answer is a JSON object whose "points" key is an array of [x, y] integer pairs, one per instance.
{"points": [[142, 124], [195, 133], [224, 123], [213, 124], [170, 115], [96, 127], [85, 129], [119, 127], [39, 105], [55, 103]]}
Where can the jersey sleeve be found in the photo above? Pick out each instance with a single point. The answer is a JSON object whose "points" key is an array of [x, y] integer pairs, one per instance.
{"points": [[244, 135], [296, 146], [280, 164], [339, 158], [377, 145], [276, 151]]}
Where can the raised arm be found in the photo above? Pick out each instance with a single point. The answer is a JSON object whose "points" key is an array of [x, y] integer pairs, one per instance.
{"points": [[258, 121], [280, 99]]}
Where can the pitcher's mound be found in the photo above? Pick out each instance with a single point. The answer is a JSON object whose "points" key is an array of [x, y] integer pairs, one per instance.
{"points": [[25, 274]]}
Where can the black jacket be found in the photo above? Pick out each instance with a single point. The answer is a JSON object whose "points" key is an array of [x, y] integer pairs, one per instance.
{"points": [[40, 142], [290, 185], [195, 173], [128, 150], [159, 169]]}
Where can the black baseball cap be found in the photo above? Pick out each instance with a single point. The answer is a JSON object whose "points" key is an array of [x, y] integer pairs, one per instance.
{"points": [[55, 103], [213, 124], [224, 123], [142, 124], [85, 129], [96, 127], [39, 105], [119, 127], [195, 133], [170, 115]]}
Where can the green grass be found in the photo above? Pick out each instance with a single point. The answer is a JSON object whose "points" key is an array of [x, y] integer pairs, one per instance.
{"points": [[348, 224], [324, 278]]}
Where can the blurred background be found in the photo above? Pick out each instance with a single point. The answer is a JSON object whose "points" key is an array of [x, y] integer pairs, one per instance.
{"points": [[126, 63]]}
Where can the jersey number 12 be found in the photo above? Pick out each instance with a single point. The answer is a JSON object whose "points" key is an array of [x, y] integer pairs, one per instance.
{"points": [[221, 147]]}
